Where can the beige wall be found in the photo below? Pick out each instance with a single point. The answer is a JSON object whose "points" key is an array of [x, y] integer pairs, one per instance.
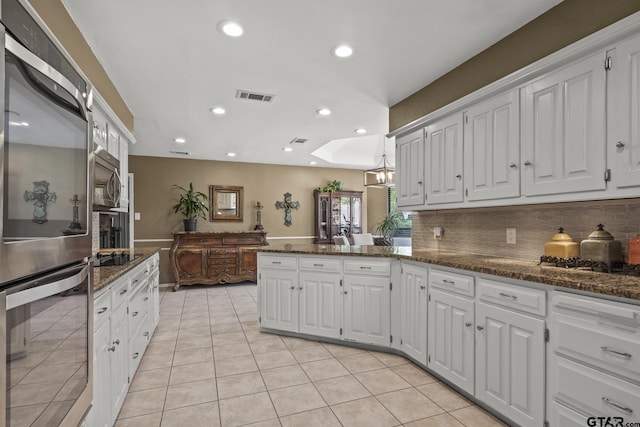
{"points": [[154, 177], [60, 23], [483, 230], [562, 25]]}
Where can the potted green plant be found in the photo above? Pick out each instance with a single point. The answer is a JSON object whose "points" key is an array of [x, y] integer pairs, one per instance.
{"points": [[385, 228], [191, 205]]}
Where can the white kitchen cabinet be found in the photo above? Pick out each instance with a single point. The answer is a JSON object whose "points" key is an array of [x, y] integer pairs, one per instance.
{"points": [[113, 141], [279, 299], [510, 355], [444, 160], [154, 281], [367, 314], [626, 66], [100, 415], [563, 129], [410, 189], [492, 148], [99, 129], [451, 338], [320, 304], [119, 362], [413, 312]]}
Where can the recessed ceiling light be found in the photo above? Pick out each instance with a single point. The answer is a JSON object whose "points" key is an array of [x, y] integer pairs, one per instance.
{"points": [[313, 163], [324, 112], [287, 149], [343, 51], [231, 28], [360, 131], [217, 110], [179, 140], [230, 154]]}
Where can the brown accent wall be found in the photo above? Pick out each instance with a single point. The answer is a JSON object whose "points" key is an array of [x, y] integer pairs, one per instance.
{"points": [[560, 26], [54, 14], [483, 230], [153, 197]]}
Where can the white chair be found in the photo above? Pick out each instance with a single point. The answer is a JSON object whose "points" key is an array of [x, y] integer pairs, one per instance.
{"points": [[340, 240], [362, 239]]}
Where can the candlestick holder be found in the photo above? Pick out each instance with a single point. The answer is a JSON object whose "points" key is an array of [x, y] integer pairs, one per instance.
{"points": [[259, 226]]}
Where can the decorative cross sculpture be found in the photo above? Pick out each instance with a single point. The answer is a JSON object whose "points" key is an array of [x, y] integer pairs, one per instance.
{"points": [[41, 196], [287, 205]]}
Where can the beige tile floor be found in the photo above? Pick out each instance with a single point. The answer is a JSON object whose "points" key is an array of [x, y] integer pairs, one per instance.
{"points": [[209, 365]]}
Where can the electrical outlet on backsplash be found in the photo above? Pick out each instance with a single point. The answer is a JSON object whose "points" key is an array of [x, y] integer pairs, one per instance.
{"points": [[482, 230]]}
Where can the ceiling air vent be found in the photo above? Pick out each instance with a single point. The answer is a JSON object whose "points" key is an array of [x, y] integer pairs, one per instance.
{"points": [[245, 94], [298, 141], [181, 153]]}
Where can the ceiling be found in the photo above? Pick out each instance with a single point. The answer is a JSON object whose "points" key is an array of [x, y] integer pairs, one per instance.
{"points": [[171, 64]]}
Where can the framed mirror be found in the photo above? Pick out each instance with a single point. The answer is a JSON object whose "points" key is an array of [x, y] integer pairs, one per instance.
{"points": [[226, 203]]}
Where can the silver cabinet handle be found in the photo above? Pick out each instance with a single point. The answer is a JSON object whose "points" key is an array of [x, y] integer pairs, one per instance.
{"points": [[135, 355], [135, 281], [617, 405], [467, 324], [146, 299], [102, 310], [300, 288], [479, 328], [617, 353], [527, 163], [112, 348], [134, 314], [146, 334], [345, 292], [318, 265], [122, 292], [423, 287], [419, 182], [503, 295], [364, 267], [459, 176], [448, 282], [293, 288], [620, 144], [116, 342], [146, 271], [276, 262], [513, 165]]}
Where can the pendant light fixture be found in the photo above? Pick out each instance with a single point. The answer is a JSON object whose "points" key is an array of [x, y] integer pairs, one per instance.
{"points": [[382, 176]]}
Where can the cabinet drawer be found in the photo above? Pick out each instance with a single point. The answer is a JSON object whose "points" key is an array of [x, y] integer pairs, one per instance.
{"points": [[201, 241], [139, 277], [137, 346], [593, 392], [561, 416], [321, 264], [225, 260], [138, 308], [242, 240], [223, 269], [282, 263], [222, 251], [101, 309], [367, 266], [119, 292], [452, 282], [524, 299], [598, 341]]}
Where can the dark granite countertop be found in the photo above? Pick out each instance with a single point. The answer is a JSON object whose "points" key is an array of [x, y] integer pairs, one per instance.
{"points": [[102, 276], [616, 285]]}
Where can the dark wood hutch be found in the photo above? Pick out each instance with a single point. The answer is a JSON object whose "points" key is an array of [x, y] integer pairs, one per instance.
{"points": [[338, 212]]}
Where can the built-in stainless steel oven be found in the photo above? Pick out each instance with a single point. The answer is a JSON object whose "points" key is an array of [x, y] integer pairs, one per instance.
{"points": [[45, 237]]}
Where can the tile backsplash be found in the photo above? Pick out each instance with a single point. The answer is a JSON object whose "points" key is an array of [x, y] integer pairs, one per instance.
{"points": [[483, 230]]}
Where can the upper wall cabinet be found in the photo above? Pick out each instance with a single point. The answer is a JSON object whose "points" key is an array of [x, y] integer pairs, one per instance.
{"points": [[443, 160], [627, 113], [492, 148], [563, 129], [410, 177]]}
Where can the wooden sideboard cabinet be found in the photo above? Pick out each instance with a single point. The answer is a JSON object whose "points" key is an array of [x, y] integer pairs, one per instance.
{"points": [[206, 258]]}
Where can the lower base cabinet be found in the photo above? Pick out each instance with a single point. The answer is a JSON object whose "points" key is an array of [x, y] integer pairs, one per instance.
{"points": [[510, 362], [413, 316], [367, 314], [320, 304], [279, 300]]}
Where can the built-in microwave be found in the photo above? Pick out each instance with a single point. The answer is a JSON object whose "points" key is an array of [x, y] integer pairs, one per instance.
{"points": [[107, 181]]}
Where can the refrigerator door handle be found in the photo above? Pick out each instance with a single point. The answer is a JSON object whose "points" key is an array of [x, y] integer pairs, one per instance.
{"points": [[33, 293]]}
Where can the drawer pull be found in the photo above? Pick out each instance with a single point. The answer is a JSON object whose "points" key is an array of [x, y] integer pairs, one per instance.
{"points": [[318, 265], [617, 405], [116, 342], [146, 334], [293, 288], [135, 281], [134, 314], [448, 282], [102, 310], [617, 353], [124, 291], [467, 324], [345, 292], [135, 355], [364, 267], [276, 262], [503, 295], [146, 271], [112, 348], [146, 299], [423, 287], [479, 328]]}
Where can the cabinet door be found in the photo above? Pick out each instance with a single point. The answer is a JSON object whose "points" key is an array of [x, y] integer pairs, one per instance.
{"points": [[443, 160], [492, 148], [627, 93], [563, 138], [367, 309], [320, 297], [279, 300], [113, 141], [119, 359], [190, 263], [99, 129], [248, 261], [451, 338], [413, 312], [510, 363], [100, 415], [410, 169]]}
